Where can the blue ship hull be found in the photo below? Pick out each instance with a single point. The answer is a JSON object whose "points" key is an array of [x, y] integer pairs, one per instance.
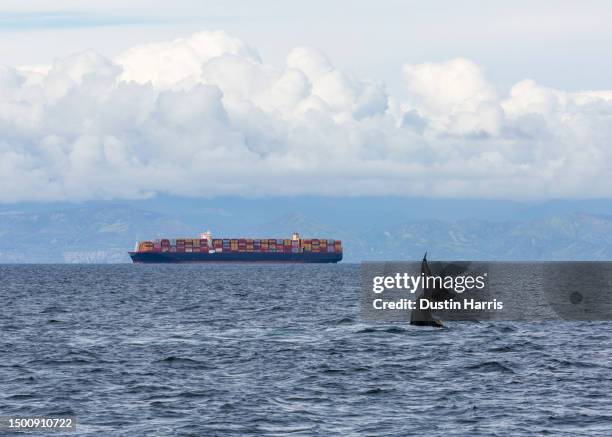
{"points": [[234, 257]]}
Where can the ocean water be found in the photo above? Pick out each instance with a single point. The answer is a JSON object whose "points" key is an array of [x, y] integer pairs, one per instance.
{"points": [[277, 350]]}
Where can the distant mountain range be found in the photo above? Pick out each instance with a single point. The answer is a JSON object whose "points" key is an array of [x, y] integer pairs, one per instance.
{"points": [[84, 234], [103, 232]]}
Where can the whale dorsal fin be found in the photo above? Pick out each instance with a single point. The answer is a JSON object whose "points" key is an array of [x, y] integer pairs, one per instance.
{"points": [[424, 266]]}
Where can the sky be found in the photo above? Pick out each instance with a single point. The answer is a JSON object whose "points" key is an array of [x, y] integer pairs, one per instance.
{"points": [[103, 100]]}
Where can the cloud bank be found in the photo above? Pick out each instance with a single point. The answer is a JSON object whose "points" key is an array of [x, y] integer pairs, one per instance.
{"points": [[205, 116]]}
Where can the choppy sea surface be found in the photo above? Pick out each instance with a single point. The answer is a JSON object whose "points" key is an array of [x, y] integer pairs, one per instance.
{"points": [[277, 350]]}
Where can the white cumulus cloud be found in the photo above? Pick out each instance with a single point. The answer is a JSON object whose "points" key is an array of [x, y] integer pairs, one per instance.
{"points": [[205, 116]]}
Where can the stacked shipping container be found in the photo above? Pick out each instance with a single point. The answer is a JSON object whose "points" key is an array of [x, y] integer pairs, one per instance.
{"points": [[189, 245]]}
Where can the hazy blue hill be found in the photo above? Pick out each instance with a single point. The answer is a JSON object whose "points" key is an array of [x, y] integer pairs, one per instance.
{"points": [[83, 234], [374, 229], [568, 237]]}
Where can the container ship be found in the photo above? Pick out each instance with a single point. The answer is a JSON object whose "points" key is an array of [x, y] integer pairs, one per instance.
{"points": [[208, 249]]}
